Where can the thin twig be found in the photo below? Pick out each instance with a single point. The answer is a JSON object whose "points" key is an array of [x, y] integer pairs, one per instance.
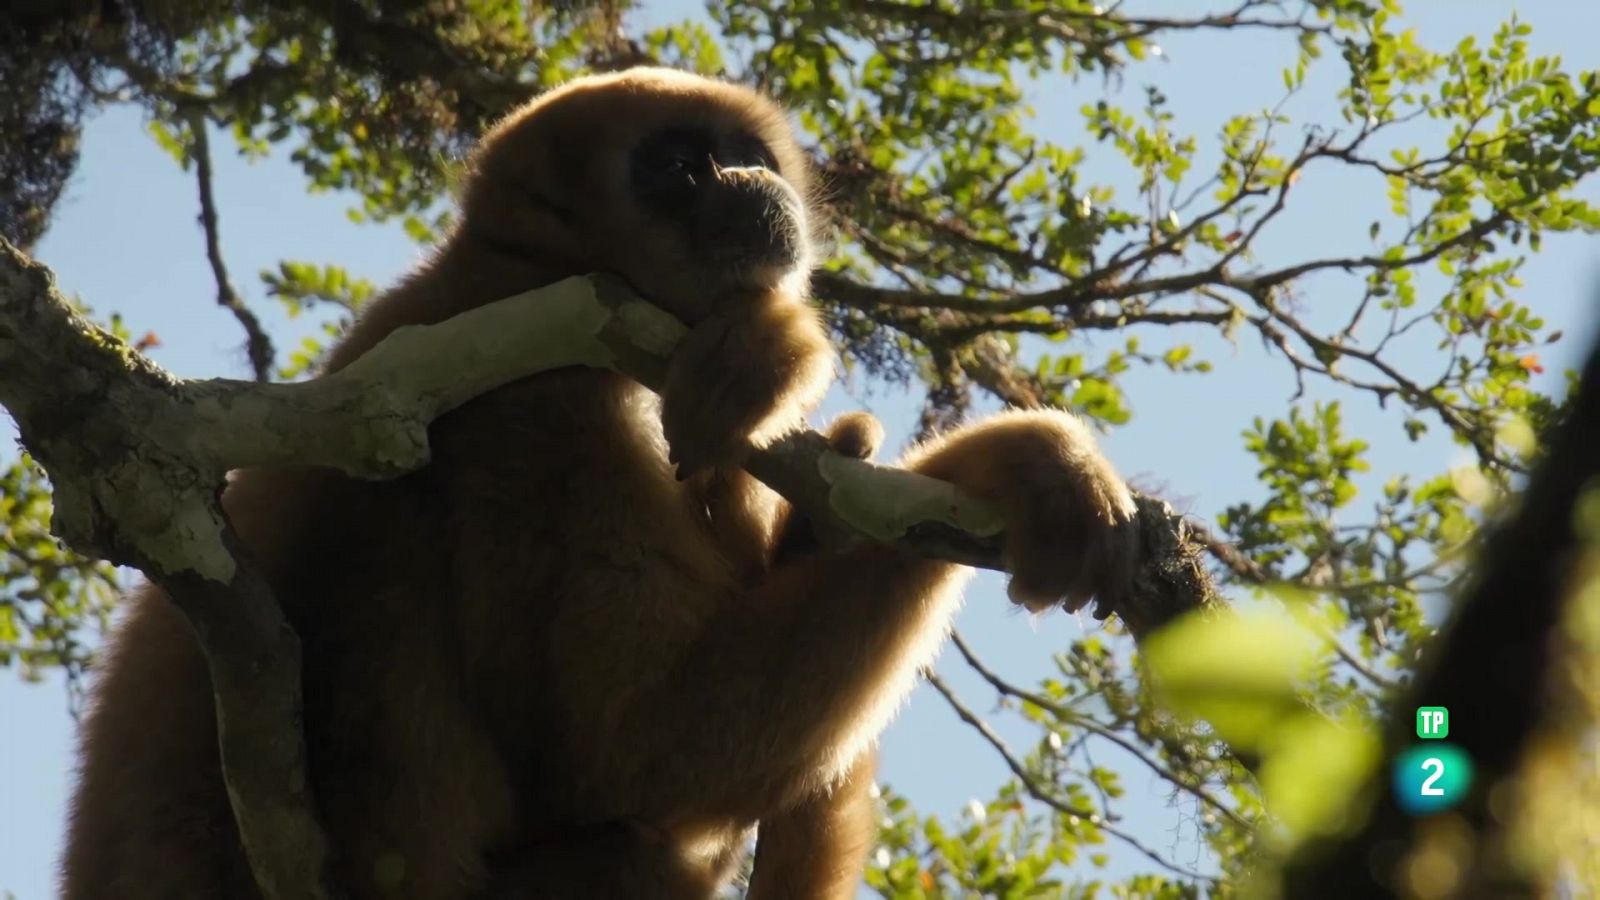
{"points": [[1038, 791], [1352, 660], [257, 343], [1006, 688]]}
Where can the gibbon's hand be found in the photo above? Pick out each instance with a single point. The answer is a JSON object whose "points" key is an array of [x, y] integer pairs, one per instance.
{"points": [[1070, 533], [732, 372]]}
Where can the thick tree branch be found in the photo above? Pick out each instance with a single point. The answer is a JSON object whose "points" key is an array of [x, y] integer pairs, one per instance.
{"points": [[81, 401]]}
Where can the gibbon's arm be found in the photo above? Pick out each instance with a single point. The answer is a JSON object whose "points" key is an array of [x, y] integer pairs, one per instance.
{"points": [[808, 664]]}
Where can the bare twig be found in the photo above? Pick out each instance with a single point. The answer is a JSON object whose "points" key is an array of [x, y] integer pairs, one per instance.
{"points": [[1041, 793], [1006, 688], [257, 344], [1354, 661]]}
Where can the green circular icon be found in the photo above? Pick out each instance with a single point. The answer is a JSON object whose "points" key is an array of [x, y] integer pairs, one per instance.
{"points": [[1431, 777]]}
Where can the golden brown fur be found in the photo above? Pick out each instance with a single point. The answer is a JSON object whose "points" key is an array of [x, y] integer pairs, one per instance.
{"points": [[543, 666]]}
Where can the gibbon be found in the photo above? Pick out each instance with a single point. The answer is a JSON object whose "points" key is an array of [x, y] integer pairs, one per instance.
{"points": [[576, 656]]}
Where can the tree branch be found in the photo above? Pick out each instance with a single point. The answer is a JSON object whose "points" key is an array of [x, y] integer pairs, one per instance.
{"points": [[1087, 723], [1039, 792], [257, 344], [137, 489]]}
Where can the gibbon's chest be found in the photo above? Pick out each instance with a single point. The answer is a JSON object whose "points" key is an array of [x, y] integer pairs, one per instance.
{"points": [[558, 448], [571, 467], [576, 564]]}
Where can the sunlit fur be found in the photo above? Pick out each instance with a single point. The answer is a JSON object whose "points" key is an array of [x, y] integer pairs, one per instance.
{"points": [[543, 666]]}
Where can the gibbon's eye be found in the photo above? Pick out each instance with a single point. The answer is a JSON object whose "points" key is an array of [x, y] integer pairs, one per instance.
{"points": [[746, 149], [669, 166], [680, 164]]}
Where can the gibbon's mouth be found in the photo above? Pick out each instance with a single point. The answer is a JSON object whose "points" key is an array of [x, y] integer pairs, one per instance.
{"points": [[753, 225]]}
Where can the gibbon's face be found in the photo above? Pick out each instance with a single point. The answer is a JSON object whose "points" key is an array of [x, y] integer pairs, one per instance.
{"points": [[691, 189]]}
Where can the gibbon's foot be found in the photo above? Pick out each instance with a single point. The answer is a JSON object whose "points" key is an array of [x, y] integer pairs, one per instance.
{"points": [[857, 435]]}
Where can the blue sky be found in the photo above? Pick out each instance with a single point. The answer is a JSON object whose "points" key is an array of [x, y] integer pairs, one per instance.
{"points": [[126, 240]]}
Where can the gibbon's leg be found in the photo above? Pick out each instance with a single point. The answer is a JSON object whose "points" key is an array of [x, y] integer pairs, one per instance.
{"points": [[409, 795], [410, 784], [792, 678], [412, 789], [620, 859], [817, 849], [150, 818], [598, 862]]}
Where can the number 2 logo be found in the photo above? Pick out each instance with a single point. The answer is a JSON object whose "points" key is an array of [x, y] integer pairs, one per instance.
{"points": [[1431, 778], [1437, 766]]}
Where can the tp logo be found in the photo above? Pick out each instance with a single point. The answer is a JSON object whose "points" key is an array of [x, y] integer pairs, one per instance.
{"points": [[1433, 723], [1432, 777]]}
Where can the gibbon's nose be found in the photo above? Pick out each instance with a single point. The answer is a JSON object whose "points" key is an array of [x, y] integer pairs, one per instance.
{"points": [[753, 218]]}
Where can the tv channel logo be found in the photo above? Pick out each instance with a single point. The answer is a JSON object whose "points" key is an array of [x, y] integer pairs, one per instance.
{"points": [[1434, 776], [1433, 723]]}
